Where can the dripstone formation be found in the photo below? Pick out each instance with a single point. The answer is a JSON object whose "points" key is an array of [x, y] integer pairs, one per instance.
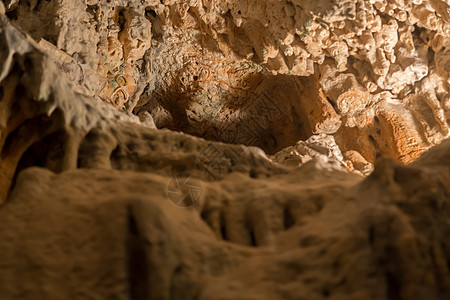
{"points": [[225, 149]]}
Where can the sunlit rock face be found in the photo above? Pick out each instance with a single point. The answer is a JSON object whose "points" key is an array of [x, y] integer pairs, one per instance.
{"points": [[128, 166]]}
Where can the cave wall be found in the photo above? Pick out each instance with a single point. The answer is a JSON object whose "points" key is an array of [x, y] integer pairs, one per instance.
{"points": [[89, 205], [379, 68]]}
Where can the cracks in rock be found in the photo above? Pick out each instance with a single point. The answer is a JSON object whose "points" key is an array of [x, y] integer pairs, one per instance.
{"points": [[393, 286], [37, 4], [288, 219], [240, 224], [138, 272], [252, 237], [13, 15], [223, 227], [155, 20]]}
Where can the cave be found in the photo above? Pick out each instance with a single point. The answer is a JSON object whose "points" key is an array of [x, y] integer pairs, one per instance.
{"points": [[238, 149]]}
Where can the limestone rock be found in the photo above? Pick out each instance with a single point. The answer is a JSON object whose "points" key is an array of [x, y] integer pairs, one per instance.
{"points": [[98, 203], [317, 146], [199, 68]]}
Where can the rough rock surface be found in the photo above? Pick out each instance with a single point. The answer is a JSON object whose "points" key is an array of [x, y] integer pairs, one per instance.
{"points": [[97, 203], [379, 69]]}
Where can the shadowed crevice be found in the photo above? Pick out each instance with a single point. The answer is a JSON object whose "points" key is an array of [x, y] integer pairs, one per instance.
{"points": [[137, 261]]}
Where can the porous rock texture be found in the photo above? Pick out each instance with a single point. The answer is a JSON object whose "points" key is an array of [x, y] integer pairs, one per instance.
{"points": [[262, 73], [89, 191]]}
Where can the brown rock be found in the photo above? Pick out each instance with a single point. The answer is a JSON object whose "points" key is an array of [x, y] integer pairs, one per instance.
{"points": [[98, 203]]}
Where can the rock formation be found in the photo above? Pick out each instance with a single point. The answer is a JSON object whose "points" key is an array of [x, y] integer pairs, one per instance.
{"points": [[224, 149], [202, 67]]}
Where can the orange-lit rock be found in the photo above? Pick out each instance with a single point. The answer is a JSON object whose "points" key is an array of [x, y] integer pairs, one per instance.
{"points": [[311, 159]]}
